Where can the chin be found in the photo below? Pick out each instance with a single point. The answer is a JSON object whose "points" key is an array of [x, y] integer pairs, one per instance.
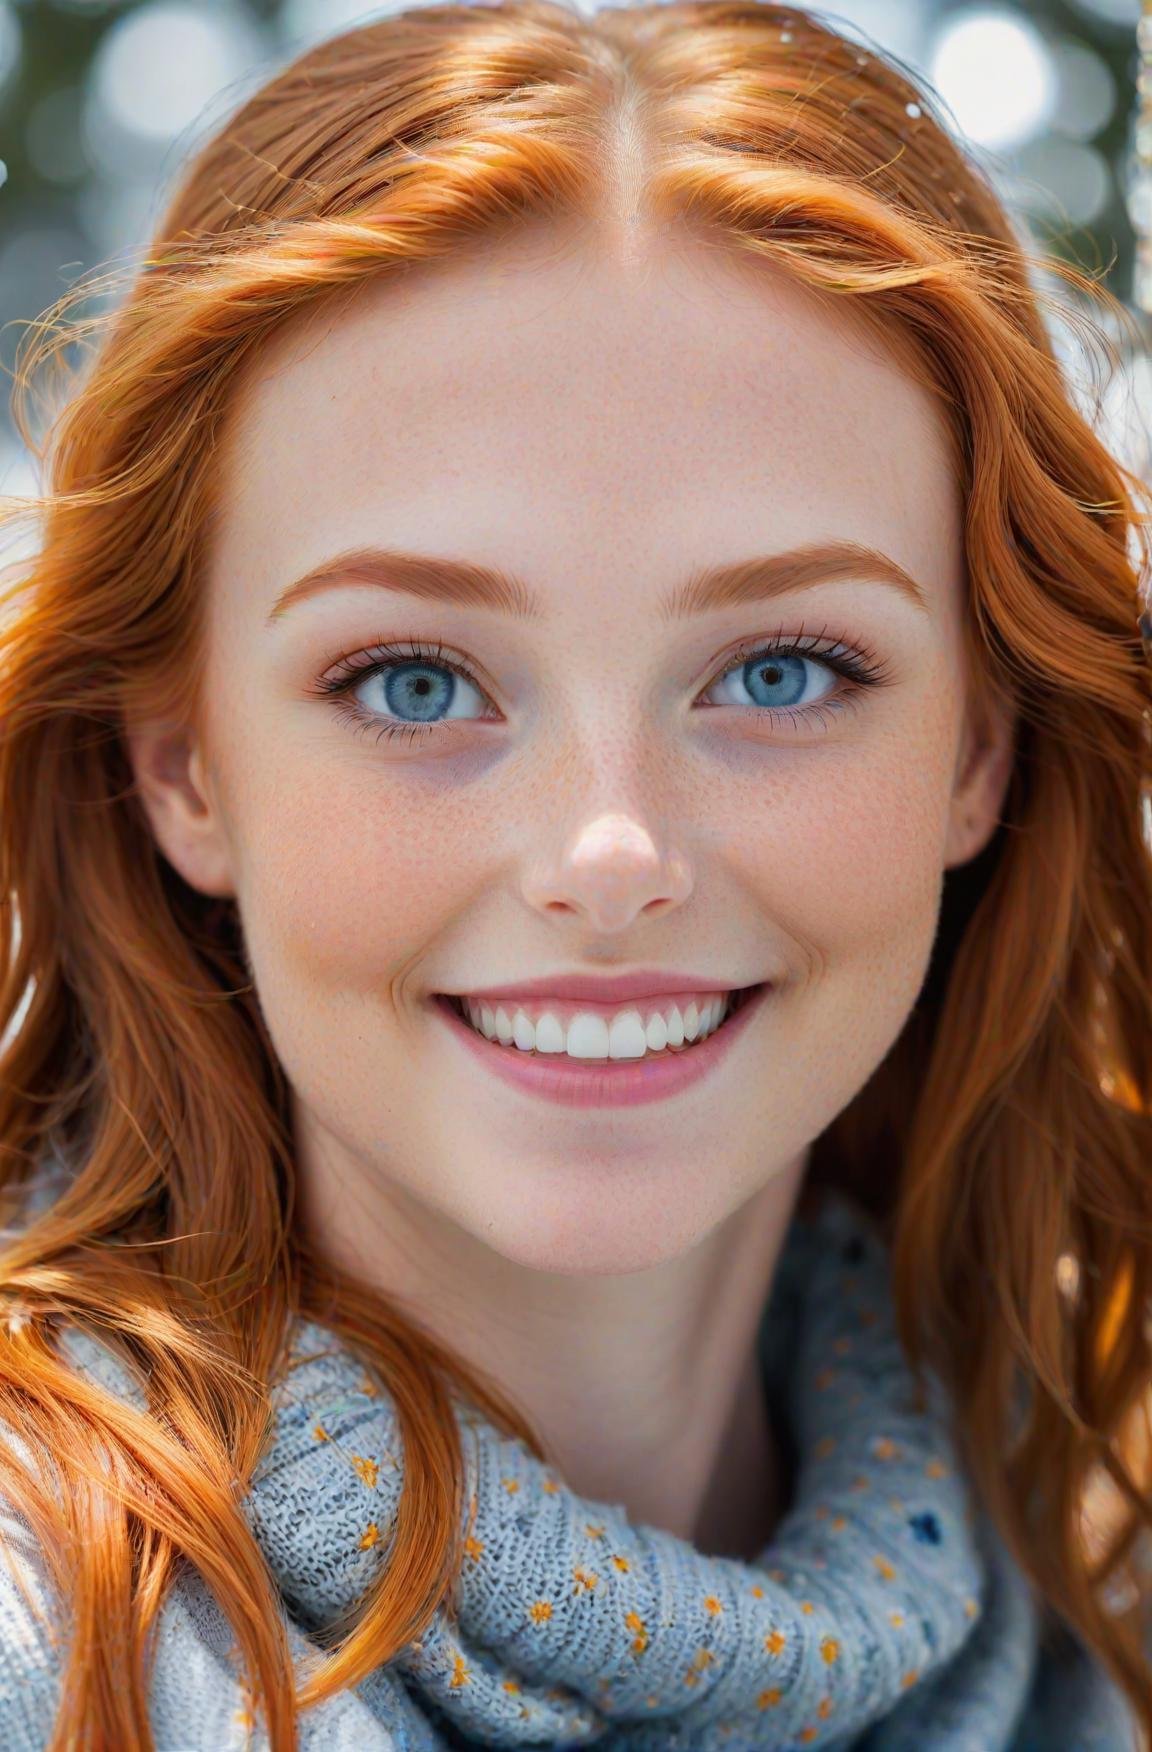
{"points": [[594, 1235]]}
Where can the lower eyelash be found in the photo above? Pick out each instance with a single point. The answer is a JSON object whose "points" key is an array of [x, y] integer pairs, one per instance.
{"points": [[860, 667]]}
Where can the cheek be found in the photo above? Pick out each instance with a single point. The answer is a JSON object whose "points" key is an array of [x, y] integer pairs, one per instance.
{"points": [[349, 873], [846, 855]]}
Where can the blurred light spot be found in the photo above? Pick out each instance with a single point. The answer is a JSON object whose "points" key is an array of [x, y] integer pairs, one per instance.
{"points": [[9, 43], [1068, 1275], [314, 19], [3, 173], [158, 67], [1063, 180], [995, 72], [53, 137], [1086, 91]]}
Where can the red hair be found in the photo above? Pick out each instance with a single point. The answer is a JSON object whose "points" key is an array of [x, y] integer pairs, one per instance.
{"points": [[1004, 1142]]}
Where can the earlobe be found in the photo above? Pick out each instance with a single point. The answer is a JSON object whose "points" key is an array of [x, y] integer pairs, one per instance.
{"points": [[179, 800]]}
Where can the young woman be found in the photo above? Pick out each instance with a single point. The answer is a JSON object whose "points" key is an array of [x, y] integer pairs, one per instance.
{"points": [[576, 1159]]}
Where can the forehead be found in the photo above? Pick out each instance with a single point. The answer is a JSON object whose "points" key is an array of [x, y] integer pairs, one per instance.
{"points": [[568, 398]]}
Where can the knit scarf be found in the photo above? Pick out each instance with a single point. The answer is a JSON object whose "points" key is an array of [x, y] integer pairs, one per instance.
{"points": [[883, 1613]]}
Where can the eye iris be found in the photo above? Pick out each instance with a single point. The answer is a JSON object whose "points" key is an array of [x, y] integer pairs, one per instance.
{"points": [[762, 675], [419, 689]]}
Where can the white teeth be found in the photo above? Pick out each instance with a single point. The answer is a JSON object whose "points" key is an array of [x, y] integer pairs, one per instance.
{"points": [[626, 1037], [549, 1034], [590, 1035]]}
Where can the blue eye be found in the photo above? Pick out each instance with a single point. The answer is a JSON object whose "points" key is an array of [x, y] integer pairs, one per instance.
{"points": [[422, 693], [771, 679], [418, 687]]}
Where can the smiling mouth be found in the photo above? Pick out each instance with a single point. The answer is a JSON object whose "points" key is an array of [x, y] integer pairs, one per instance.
{"points": [[647, 1029]]}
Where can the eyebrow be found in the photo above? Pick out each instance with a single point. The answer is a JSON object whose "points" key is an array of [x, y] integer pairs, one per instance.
{"points": [[473, 585]]}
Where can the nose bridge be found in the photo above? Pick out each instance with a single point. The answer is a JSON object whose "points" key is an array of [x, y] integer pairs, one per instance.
{"points": [[612, 852]]}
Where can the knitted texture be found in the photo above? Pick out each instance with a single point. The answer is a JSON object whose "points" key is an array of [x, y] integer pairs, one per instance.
{"points": [[884, 1614]]}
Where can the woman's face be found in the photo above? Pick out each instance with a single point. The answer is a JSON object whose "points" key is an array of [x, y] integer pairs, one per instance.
{"points": [[600, 769]]}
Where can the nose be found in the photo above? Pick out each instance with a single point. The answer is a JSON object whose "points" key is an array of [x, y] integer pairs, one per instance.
{"points": [[610, 872]]}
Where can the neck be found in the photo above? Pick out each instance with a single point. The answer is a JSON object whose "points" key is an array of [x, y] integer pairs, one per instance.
{"points": [[644, 1386]]}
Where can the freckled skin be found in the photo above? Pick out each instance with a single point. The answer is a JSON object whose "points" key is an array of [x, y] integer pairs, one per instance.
{"points": [[602, 426]]}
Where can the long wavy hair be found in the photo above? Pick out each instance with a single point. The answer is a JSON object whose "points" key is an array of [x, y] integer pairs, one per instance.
{"points": [[1005, 1143]]}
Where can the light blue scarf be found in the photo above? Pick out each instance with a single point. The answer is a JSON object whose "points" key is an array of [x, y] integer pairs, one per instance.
{"points": [[883, 1615]]}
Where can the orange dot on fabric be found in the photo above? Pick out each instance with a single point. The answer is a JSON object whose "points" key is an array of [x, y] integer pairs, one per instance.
{"points": [[511, 1685], [838, 1523], [824, 1708], [550, 1486], [897, 1619], [320, 1433], [861, 1483], [365, 1469], [807, 1607], [473, 1547], [885, 1448], [712, 1604], [970, 1608], [757, 1592], [909, 1679], [769, 1699], [830, 1649], [593, 1530], [775, 1642], [540, 1611], [460, 1673], [936, 1469], [807, 1734], [884, 1567], [369, 1536], [620, 1563], [511, 1485], [586, 1579]]}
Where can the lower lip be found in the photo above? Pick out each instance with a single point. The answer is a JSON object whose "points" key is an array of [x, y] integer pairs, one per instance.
{"points": [[604, 1082]]}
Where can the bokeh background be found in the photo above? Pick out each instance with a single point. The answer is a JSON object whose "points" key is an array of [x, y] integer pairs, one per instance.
{"points": [[101, 100]]}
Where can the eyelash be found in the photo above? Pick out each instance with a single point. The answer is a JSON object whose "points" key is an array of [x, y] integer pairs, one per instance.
{"points": [[860, 667]]}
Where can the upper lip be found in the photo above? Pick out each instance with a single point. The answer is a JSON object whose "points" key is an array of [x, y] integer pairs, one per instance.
{"points": [[604, 989]]}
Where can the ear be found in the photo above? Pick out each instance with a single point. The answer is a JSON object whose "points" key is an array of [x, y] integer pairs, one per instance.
{"points": [[179, 799], [983, 773]]}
